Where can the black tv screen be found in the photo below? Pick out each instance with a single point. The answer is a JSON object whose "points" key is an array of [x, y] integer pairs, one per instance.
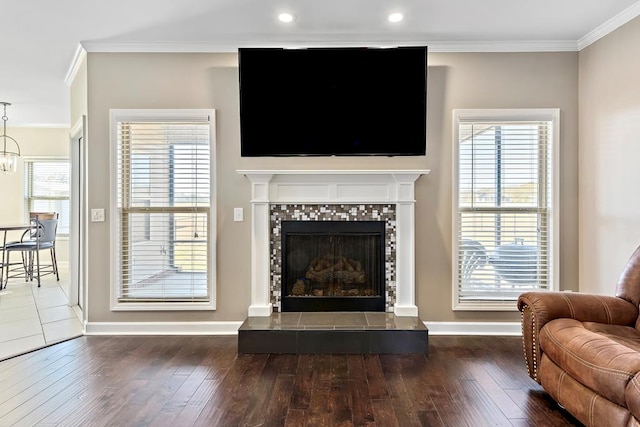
{"points": [[333, 101]]}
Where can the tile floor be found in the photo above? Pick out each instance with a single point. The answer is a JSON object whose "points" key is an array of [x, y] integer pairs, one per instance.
{"points": [[32, 317]]}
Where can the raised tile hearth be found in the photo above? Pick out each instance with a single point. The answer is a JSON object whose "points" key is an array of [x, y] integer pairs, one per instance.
{"points": [[333, 333]]}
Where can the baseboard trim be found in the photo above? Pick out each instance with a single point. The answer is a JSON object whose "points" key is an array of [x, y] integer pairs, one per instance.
{"points": [[231, 328], [474, 328], [162, 328]]}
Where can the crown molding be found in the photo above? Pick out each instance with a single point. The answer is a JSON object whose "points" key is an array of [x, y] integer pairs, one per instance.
{"points": [[161, 47], [609, 26], [75, 65], [232, 46], [504, 46]]}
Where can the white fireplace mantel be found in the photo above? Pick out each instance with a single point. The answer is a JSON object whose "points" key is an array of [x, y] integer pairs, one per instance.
{"points": [[333, 186]]}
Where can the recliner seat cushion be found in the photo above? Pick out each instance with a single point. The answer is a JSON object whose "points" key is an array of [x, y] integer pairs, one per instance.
{"points": [[602, 357], [625, 335], [583, 403]]}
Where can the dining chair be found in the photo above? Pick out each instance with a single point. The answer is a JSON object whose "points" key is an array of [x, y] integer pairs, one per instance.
{"points": [[2, 260], [42, 237]]}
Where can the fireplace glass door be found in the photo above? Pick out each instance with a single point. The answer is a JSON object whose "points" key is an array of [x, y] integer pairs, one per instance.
{"points": [[333, 266]]}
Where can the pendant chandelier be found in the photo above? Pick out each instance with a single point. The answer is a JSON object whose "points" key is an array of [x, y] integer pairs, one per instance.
{"points": [[8, 159]]}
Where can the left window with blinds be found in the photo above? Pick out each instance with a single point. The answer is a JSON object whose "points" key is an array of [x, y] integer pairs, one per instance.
{"points": [[163, 199], [47, 188]]}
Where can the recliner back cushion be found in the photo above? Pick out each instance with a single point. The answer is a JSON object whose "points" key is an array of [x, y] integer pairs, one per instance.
{"points": [[628, 286]]}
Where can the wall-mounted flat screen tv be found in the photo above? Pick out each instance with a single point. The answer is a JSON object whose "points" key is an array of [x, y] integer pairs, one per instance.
{"points": [[333, 101]]}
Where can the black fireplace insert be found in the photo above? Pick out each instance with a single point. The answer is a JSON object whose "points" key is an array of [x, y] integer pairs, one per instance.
{"points": [[333, 266]]}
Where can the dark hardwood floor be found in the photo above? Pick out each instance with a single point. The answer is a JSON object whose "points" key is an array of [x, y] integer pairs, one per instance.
{"points": [[193, 380]]}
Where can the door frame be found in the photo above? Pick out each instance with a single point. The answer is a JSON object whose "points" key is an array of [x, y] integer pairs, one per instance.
{"points": [[78, 220]]}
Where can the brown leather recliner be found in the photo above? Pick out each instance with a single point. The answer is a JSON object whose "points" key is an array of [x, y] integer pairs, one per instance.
{"points": [[585, 349]]}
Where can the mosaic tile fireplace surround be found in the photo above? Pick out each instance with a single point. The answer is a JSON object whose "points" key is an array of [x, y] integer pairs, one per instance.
{"points": [[323, 195], [333, 212]]}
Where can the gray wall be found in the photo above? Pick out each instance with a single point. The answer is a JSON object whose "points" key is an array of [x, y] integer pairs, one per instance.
{"points": [[609, 152], [461, 80]]}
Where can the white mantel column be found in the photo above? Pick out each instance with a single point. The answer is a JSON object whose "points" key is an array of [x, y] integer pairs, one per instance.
{"points": [[260, 269], [405, 247]]}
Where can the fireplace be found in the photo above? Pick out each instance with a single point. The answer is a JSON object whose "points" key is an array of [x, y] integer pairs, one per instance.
{"points": [[333, 266], [386, 196]]}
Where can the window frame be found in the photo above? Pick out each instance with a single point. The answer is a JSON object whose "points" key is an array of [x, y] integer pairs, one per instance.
{"points": [[153, 115], [506, 115], [28, 188]]}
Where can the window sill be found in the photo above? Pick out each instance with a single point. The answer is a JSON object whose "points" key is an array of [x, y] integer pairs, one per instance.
{"points": [[164, 306], [486, 306]]}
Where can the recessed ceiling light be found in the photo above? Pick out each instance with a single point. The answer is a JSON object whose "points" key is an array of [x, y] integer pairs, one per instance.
{"points": [[285, 17], [395, 17]]}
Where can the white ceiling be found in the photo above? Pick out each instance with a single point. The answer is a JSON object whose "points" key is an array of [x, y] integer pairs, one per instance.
{"points": [[40, 38]]}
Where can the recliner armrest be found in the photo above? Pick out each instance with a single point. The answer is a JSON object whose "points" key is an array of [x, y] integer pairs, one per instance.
{"points": [[582, 307], [538, 308]]}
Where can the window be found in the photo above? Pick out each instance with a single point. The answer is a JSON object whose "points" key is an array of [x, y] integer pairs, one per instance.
{"points": [[47, 189], [164, 203], [505, 205]]}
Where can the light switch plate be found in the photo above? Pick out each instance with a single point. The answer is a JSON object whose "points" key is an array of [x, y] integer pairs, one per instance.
{"points": [[97, 215], [238, 214]]}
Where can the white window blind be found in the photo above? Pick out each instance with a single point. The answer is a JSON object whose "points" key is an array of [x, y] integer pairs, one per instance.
{"points": [[164, 203], [503, 233], [47, 189]]}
